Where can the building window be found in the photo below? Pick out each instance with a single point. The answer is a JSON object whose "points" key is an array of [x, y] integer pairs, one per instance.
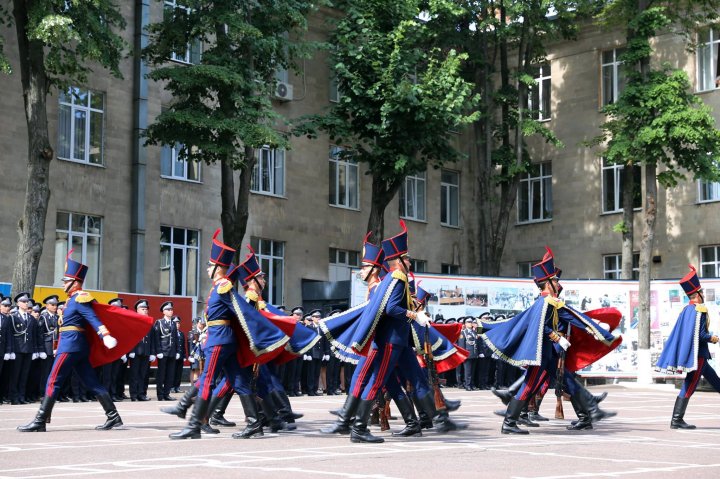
{"points": [[612, 266], [449, 198], [525, 269], [708, 191], [710, 261], [80, 126], [418, 265], [179, 248], [613, 179], [539, 94], [342, 263], [707, 59], [613, 78], [449, 268], [83, 234], [193, 50], [535, 194], [335, 93], [269, 172], [271, 256], [344, 184], [174, 165], [412, 197]]}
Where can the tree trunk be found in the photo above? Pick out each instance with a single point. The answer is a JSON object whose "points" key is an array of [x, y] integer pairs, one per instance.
{"points": [[646, 248], [235, 209], [382, 194], [628, 225], [31, 227]]}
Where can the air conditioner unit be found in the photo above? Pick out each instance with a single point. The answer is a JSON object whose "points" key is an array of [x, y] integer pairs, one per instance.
{"points": [[283, 91]]}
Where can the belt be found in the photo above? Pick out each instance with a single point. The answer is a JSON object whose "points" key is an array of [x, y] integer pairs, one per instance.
{"points": [[219, 322], [71, 328]]}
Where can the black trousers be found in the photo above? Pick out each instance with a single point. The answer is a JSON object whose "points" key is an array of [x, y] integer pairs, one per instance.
{"points": [[118, 377], [313, 375], [165, 376], [139, 368], [45, 367], [460, 375], [177, 376], [469, 368], [482, 372], [19, 376]]}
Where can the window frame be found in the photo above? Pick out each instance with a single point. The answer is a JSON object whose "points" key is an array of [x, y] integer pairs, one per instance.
{"points": [[615, 66], [187, 59], [543, 86], [445, 192], [414, 263], [449, 269], [404, 200], [174, 157], [85, 235], [616, 273], [702, 263], [710, 184], [714, 45], [617, 172], [263, 257], [348, 165], [257, 173], [531, 180], [185, 248], [89, 110]]}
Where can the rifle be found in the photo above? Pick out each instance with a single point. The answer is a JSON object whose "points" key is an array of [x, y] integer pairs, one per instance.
{"points": [[432, 372], [560, 382], [384, 412]]}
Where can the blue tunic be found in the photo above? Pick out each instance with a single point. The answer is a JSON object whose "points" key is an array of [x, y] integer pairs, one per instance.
{"points": [[77, 314], [687, 342]]}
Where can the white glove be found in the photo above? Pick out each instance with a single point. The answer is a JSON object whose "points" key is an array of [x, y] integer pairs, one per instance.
{"points": [[12, 356], [34, 356], [422, 318], [123, 358], [109, 341], [307, 357], [43, 355], [160, 355], [326, 357], [564, 343], [54, 352], [6, 357], [191, 359], [131, 355], [616, 333], [152, 358], [177, 355]]}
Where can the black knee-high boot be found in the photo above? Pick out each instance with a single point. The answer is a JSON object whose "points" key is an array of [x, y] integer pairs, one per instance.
{"points": [[506, 395], [359, 431], [580, 405], [113, 418], [286, 412], [509, 425], [342, 424], [192, 429], [41, 418], [255, 426], [180, 409], [677, 421], [407, 411], [217, 414]]}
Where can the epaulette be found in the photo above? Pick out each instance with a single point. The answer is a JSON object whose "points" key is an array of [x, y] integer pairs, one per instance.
{"points": [[261, 304], [555, 302], [397, 274], [83, 297], [252, 295], [224, 286], [701, 308]]}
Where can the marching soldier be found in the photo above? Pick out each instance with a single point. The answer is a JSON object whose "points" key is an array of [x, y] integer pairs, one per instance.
{"points": [[687, 348], [166, 351], [140, 359], [47, 333], [25, 347]]}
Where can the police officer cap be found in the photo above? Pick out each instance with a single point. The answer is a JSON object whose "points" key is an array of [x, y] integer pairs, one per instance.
{"points": [[166, 305], [451, 321], [61, 304], [24, 296], [298, 309], [281, 307], [36, 308], [52, 299], [6, 301], [176, 319], [141, 303], [439, 321], [116, 302], [461, 320], [307, 317], [316, 313], [335, 311], [473, 320]]}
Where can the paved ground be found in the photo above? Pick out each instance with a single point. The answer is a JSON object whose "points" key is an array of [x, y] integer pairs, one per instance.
{"points": [[636, 443]]}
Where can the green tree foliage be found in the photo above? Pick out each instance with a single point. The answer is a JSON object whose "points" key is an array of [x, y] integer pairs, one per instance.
{"points": [[222, 107], [57, 41], [401, 92]]}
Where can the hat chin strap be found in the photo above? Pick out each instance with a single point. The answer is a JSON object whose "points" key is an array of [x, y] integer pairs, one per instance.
{"points": [[367, 276]]}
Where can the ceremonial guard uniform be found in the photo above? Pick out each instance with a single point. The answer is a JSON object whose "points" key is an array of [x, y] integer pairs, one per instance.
{"points": [[47, 332], [79, 347], [140, 358], [686, 349], [166, 351], [25, 347]]}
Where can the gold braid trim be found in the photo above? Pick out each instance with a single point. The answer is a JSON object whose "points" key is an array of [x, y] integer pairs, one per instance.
{"points": [[380, 311], [449, 353], [701, 308], [246, 330], [224, 286]]}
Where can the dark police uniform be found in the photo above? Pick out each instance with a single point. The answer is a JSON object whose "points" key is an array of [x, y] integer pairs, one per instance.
{"points": [[6, 348], [165, 339], [25, 346], [47, 336], [140, 363], [468, 341], [180, 361]]}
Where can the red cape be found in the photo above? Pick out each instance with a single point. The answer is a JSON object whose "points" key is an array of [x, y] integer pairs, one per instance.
{"points": [[450, 331], [287, 324], [585, 349], [245, 355], [128, 327]]}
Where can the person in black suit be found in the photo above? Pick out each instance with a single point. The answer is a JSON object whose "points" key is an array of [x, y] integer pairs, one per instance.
{"points": [[166, 351], [468, 341], [140, 358], [47, 336], [6, 346], [182, 352], [25, 347], [314, 357]]}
